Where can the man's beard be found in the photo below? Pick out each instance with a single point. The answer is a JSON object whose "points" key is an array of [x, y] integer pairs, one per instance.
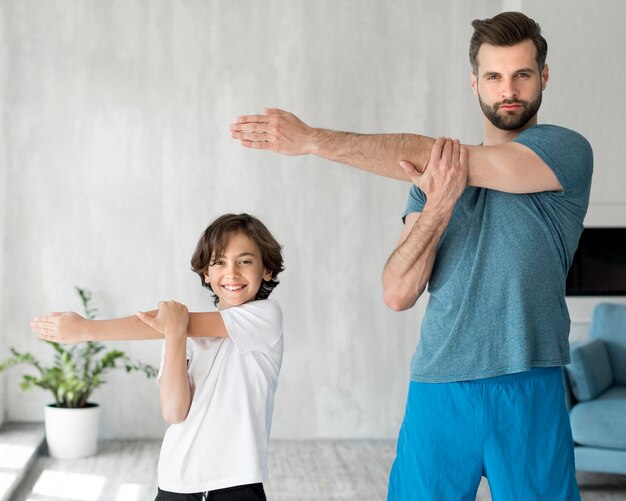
{"points": [[510, 121]]}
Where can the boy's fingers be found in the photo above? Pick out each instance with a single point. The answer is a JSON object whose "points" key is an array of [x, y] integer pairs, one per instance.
{"points": [[146, 319]]}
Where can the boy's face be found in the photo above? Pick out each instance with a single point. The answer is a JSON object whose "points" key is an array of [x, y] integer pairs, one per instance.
{"points": [[237, 274]]}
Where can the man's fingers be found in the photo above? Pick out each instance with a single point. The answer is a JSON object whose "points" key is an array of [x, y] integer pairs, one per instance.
{"points": [[456, 146], [244, 119], [464, 156], [446, 152], [259, 145], [259, 137], [274, 111], [249, 127], [411, 171], [435, 152]]}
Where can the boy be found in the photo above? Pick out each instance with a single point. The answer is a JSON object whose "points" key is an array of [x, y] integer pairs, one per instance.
{"points": [[219, 370]]}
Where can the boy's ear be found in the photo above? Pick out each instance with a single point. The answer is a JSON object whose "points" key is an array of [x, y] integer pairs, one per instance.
{"points": [[267, 275], [206, 276]]}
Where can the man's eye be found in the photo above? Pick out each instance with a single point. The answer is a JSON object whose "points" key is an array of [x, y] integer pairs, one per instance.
{"points": [[522, 75]]}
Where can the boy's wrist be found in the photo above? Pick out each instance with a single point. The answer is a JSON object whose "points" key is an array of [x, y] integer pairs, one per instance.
{"points": [[175, 334]]}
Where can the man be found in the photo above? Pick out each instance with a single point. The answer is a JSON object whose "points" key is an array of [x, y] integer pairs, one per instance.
{"points": [[492, 230]]}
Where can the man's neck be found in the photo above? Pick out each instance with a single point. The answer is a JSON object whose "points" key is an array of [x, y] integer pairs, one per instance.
{"points": [[493, 135]]}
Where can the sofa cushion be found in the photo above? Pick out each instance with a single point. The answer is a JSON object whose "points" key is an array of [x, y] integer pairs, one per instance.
{"points": [[601, 422], [590, 370], [609, 324]]}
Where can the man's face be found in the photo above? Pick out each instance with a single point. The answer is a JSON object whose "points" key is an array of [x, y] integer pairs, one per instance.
{"points": [[509, 84]]}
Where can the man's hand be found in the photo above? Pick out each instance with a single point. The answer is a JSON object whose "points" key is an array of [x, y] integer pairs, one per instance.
{"points": [[66, 327], [276, 130], [445, 176], [171, 319]]}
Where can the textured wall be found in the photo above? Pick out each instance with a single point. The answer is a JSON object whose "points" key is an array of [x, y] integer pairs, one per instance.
{"points": [[118, 155], [3, 187]]}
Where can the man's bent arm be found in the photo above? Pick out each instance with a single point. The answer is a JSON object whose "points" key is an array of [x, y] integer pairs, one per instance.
{"points": [[408, 269]]}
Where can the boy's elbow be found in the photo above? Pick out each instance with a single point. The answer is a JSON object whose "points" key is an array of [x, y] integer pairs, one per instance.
{"points": [[175, 413], [174, 416]]}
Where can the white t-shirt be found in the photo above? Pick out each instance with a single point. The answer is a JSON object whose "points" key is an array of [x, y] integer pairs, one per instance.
{"points": [[223, 441]]}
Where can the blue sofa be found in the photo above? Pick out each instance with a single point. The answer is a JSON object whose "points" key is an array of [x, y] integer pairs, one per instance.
{"points": [[596, 392]]}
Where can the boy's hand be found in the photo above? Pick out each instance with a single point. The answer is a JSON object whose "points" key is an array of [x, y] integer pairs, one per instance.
{"points": [[66, 327], [171, 319]]}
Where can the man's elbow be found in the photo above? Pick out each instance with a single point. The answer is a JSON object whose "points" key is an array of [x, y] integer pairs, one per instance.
{"points": [[398, 301]]}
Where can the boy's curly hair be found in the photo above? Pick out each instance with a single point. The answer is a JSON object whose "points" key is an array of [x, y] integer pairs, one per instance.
{"points": [[215, 238]]}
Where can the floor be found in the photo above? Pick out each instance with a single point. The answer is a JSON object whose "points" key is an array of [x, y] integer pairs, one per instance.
{"points": [[300, 471]]}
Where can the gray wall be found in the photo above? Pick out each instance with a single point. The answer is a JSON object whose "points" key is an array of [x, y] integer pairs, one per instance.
{"points": [[116, 155]]}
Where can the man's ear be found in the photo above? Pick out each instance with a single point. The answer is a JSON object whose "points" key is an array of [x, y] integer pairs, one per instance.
{"points": [[545, 75], [474, 82]]}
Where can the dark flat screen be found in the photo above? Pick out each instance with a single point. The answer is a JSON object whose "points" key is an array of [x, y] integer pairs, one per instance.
{"points": [[599, 265]]}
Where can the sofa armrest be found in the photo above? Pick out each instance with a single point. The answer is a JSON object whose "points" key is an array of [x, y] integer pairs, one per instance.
{"points": [[590, 372]]}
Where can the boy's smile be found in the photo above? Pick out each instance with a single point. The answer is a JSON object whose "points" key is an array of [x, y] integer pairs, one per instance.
{"points": [[237, 274]]}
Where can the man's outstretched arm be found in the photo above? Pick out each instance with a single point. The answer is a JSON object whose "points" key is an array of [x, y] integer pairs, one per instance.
{"points": [[69, 327], [408, 269], [508, 167], [283, 132]]}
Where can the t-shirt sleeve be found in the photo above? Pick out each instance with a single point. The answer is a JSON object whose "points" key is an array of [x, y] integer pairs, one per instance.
{"points": [[566, 152], [188, 354], [415, 202], [254, 326]]}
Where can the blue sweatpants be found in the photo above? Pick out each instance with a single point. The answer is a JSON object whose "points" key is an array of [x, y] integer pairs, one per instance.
{"points": [[513, 429]]}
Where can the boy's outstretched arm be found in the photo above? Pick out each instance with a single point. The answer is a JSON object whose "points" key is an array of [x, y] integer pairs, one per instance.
{"points": [[69, 327], [508, 167]]}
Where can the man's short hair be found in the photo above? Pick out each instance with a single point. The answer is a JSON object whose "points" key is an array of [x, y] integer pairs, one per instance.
{"points": [[505, 30]]}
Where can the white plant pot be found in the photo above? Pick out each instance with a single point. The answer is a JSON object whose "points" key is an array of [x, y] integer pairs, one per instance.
{"points": [[72, 433]]}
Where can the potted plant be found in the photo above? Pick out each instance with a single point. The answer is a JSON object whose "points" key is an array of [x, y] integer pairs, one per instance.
{"points": [[71, 422]]}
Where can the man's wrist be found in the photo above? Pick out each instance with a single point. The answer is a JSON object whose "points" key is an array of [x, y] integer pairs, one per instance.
{"points": [[437, 213], [319, 142]]}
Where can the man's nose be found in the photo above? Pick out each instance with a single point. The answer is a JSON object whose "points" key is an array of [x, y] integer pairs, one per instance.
{"points": [[509, 89]]}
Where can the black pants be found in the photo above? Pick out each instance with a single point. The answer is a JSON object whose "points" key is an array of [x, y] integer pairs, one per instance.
{"points": [[250, 492]]}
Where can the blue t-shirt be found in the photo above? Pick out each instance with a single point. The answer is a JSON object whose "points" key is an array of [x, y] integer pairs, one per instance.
{"points": [[497, 288]]}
